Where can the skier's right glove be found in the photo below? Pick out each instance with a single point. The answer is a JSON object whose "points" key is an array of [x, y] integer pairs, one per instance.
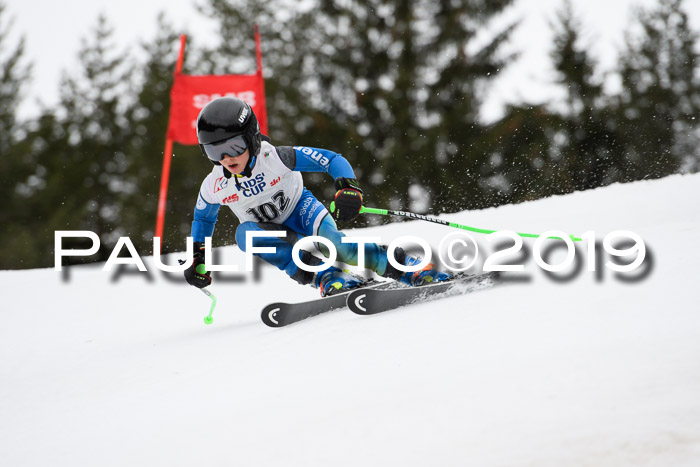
{"points": [[196, 274]]}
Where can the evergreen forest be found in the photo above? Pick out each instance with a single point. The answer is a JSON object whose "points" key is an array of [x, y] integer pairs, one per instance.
{"points": [[394, 86]]}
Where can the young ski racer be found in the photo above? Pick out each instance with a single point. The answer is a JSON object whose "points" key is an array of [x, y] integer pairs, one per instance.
{"points": [[262, 184]]}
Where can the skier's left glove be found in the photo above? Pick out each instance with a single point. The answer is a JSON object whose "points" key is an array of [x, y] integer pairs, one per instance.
{"points": [[196, 275], [348, 199]]}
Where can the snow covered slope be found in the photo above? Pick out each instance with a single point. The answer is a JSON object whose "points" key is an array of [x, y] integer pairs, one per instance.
{"points": [[590, 371]]}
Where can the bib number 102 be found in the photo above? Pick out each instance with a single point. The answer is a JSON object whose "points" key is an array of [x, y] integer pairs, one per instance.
{"points": [[268, 212]]}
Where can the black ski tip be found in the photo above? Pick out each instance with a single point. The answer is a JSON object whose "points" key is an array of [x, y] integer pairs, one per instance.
{"points": [[356, 301], [373, 301], [269, 315]]}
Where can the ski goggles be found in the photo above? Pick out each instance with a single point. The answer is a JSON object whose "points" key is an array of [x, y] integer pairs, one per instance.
{"points": [[231, 147]]}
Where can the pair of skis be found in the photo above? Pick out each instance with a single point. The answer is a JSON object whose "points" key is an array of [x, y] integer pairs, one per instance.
{"points": [[376, 297]]}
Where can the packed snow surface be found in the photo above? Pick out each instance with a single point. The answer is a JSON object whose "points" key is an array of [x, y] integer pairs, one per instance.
{"points": [[595, 369]]}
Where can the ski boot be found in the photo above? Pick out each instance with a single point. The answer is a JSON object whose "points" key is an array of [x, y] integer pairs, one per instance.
{"points": [[334, 280], [424, 276]]}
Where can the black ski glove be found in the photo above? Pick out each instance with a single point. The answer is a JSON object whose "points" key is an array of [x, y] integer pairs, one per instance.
{"points": [[196, 274], [348, 199]]}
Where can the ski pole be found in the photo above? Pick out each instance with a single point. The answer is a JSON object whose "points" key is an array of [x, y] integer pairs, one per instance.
{"points": [[200, 269], [208, 319], [389, 212]]}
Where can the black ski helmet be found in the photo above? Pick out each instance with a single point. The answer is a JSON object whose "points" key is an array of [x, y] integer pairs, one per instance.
{"points": [[226, 117]]}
